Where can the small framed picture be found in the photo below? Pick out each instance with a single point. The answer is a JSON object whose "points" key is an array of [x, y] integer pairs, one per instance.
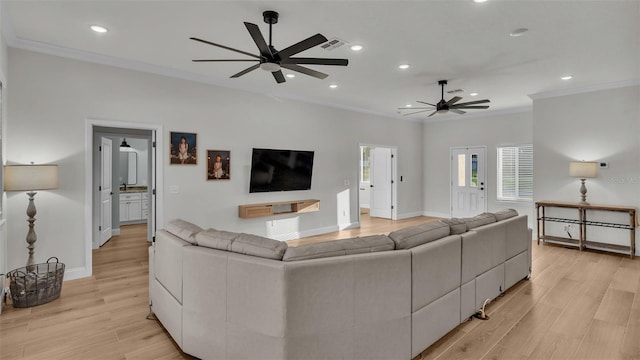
{"points": [[183, 148], [218, 164]]}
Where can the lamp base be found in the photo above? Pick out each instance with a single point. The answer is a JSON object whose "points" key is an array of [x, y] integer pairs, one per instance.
{"points": [[583, 192], [31, 234]]}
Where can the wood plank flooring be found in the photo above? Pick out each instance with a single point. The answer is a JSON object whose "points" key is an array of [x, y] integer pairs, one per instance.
{"points": [[577, 305]]}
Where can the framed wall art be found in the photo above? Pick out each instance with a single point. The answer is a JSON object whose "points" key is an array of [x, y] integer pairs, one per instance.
{"points": [[218, 165], [183, 148]]}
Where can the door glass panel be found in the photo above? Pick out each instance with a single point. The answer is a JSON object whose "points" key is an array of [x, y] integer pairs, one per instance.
{"points": [[462, 169], [473, 182]]}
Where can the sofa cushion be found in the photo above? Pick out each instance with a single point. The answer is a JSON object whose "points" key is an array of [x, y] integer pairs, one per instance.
{"points": [[458, 226], [479, 220], [254, 245], [216, 239], [505, 214], [365, 244], [420, 234], [183, 229]]}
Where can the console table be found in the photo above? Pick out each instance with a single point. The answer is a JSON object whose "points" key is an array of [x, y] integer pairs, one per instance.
{"points": [[278, 208], [583, 222]]}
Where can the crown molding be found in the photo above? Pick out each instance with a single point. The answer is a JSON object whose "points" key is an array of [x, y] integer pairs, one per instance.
{"points": [[585, 89]]}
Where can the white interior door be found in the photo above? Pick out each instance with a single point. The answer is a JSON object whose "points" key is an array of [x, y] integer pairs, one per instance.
{"points": [[468, 182], [151, 220], [106, 191], [381, 182]]}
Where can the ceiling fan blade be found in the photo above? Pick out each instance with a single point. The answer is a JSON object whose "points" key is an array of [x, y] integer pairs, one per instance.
{"points": [[255, 33], [422, 102], [457, 111], [251, 68], [469, 107], [454, 100], [417, 112], [278, 76], [473, 102], [433, 113], [316, 61], [225, 47], [222, 60], [304, 70], [303, 45]]}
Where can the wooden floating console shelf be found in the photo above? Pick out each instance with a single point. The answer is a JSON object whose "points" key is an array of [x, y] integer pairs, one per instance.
{"points": [[250, 211], [582, 223]]}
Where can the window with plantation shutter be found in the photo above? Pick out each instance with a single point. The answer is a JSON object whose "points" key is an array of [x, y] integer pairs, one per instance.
{"points": [[515, 173]]}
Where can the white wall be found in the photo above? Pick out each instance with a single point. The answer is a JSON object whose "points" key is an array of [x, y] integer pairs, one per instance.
{"points": [[453, 131], [593, 126], [52, 98]]}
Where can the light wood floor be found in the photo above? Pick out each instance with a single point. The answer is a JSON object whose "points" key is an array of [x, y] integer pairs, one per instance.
{"points": [[577, 305]]}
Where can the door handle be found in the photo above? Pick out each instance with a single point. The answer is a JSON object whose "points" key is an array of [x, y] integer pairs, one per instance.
{"points": [[371, 185]]}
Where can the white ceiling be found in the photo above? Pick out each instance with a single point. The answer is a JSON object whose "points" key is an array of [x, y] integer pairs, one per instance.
{"points": [[467, 43]]}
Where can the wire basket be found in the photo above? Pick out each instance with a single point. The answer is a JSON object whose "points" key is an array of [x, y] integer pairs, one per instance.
{"points": [[37, 284]]}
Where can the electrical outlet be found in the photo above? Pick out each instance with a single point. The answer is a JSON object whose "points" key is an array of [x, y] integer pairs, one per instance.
{"points": [[567, 229]]}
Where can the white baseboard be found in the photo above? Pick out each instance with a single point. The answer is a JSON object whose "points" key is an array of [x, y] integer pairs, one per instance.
{"points": [[409, 215], [314, 232], [115, 231], [76, 273], [436, 214]]}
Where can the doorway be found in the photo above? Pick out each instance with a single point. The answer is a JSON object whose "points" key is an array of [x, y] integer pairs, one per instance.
{"points": [[152, 160], [377, 188], [468, 181]]}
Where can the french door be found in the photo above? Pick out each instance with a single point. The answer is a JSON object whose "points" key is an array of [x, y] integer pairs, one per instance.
{"points": [[468, 182]]}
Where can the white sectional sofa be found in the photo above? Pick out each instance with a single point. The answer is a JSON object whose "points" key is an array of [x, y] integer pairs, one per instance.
{"points": [[224, 295]]}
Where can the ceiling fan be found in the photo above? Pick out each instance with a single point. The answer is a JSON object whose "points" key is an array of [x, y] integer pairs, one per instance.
{"points": [[445, 106], [272, 60]]}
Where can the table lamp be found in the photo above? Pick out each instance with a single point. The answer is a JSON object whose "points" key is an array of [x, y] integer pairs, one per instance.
{"points": [[30, 178], [583, 170]]}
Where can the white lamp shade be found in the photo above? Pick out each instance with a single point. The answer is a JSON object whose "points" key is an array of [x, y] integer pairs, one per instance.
{"points": [[30, 177], [583, 169]]}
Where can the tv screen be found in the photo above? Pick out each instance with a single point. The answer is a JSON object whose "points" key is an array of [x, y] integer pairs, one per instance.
{"points": [[280, 170]]}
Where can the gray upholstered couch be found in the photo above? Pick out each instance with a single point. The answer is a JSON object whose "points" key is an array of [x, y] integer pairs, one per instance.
{"points": [[224, 295]]}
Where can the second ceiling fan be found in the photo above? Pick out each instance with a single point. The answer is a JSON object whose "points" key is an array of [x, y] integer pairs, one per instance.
{"points": [[272, 60], [445, 106]]}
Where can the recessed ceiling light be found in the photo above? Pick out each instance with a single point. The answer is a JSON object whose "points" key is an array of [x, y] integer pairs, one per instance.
{"points": [[408, 105], [479, 1], [356, 47], [404, 66], [518, 32], [567, 77], [333, 86], [99, 29], [473, 94], [290, 76]]}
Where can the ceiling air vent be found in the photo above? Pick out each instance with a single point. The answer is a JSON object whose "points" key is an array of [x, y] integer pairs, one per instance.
{"points": [[455, 91], [332, 44]]}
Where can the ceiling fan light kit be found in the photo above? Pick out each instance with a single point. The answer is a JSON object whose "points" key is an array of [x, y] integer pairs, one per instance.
{"points": [[272, 60]]}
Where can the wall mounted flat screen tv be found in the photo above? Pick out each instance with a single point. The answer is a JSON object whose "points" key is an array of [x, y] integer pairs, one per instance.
{"points": [[280, 170]]}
